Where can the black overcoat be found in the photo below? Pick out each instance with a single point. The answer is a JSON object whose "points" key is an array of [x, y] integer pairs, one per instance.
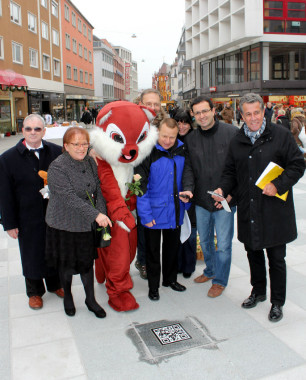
{"points": [[22, 205], [263, 221]]}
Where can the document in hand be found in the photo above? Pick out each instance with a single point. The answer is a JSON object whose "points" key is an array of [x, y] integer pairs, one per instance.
{"points": [[271, 172]]}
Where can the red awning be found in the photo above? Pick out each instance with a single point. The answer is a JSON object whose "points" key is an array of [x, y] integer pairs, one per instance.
{"points": [[10, 78]]}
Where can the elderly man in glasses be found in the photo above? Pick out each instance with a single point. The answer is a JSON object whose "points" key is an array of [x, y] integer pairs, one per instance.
{"points": [[23, 208]]}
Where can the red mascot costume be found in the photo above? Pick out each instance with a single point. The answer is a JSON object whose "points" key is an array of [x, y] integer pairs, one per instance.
{"points": [[124, 137]]}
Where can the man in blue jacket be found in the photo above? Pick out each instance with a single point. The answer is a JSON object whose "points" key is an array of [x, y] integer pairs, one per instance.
{"points": [[160, 209]]}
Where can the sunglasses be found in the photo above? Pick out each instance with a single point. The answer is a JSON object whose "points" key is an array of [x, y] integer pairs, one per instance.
{"points": [[36, 129]]}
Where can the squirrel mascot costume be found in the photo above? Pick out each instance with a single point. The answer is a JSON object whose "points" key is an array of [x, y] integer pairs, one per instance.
{"points": [[123, 138]]}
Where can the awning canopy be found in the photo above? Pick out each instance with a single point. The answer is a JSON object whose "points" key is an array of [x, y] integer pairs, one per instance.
{"points": [[10, 78]]}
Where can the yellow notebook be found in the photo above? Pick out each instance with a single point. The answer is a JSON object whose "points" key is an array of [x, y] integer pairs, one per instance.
{"points": [[271, 172]]}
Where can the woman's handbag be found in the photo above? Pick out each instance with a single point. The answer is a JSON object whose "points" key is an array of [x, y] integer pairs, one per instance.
{"points": [[101, 235]]}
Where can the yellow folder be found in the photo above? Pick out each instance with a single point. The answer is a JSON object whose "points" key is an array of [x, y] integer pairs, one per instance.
{"points": [[271, 172]]}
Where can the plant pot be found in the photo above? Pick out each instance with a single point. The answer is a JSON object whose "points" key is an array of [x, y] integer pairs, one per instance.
{"points": [[7, 134]]}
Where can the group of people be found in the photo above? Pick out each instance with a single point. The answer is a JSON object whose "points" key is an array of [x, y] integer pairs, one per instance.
{"points": [[177, 178]]}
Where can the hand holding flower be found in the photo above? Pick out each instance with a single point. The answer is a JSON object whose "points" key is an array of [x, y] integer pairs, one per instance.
{"points": [[103, 220]]}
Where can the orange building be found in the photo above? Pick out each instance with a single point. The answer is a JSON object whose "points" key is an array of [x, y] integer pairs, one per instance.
{"points": [[30, 61], [77, 50]]}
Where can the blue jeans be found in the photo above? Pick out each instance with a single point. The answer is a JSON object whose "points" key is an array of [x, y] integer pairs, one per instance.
{"points": [[218, 262]]}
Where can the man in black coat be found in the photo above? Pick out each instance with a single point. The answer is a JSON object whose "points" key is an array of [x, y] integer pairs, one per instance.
{"points": [[23, 207], [264, 220]]}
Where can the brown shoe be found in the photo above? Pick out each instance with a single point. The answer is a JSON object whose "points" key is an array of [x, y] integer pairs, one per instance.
{"points": [[59, 292], [202, 279], [215, 290], [35, 302]]}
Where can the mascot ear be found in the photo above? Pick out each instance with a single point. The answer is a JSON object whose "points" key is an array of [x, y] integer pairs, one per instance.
{"points": [[149, 112]]}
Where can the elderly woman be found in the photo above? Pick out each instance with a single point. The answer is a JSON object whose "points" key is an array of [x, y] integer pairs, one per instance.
{"points": [[74, 190]]}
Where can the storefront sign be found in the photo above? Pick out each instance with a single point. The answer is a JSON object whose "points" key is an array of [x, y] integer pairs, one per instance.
{"points": [[127, 78], [213, 89]]}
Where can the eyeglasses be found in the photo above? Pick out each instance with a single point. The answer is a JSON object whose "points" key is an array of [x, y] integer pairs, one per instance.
{"points": [[77, 145], [203, 112], [35, 129]]}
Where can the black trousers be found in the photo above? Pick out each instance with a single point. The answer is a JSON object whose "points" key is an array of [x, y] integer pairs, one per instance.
{"points": [[171, 241], [277, 270], [37, 287]]}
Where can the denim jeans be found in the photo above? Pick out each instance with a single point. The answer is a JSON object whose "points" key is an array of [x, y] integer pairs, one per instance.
{"points": [[218, 262]]}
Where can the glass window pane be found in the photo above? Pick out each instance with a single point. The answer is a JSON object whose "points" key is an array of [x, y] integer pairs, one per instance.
{"points": [[296, 6], [274, 4], [273, 13], [296, 14], [274, 26], [296, 27]]}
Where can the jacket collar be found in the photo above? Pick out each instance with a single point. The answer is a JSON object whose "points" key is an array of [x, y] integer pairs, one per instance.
{"points": [[22, 149], [211, 131], [178, 143]]}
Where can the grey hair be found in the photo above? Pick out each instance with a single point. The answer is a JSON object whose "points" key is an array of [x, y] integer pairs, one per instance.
{"points": [[251, 98], [149, 91], [35, 116]]}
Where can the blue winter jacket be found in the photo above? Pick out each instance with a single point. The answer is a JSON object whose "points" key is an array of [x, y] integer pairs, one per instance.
{"points": [[161, 181]]}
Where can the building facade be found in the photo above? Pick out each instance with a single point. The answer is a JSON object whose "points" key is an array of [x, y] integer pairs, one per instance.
{"points": [[78, 67], [30, 61], [129, 72], [104, 71], [241, 46]]}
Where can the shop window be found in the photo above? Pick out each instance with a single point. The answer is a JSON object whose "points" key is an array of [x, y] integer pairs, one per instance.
{"points": [[33, 56], [296, 27], [68, 71], [56, 67], [1, 48], [15, 11], [66, 12], [55, 37], [75, 74], [81, 76], [73, 19], [32, 23], [46, 62], [54, 8], [44, 30], [17, 53], [44, 3]]}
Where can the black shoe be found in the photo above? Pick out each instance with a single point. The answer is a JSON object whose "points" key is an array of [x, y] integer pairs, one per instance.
{"points": [[175, 286], [142, 270], [186, 275], [98, 313], [70, 312], [276, 313], [153, 295], [253, 300]]}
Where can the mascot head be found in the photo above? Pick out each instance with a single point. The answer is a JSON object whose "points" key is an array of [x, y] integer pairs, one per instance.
{"points": [[124, 134]]}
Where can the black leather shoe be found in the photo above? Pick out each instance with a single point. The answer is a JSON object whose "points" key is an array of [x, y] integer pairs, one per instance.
{"points": [[98, 313], [276, 313], [186, 275], [175, 286], [253, 300], [153, 295], [70, 312]]}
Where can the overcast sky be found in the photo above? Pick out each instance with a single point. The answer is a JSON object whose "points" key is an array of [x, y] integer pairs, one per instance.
{"points": [[157, 25]]}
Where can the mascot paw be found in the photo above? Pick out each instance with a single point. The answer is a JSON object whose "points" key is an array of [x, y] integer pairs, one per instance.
{"points": [[123, 302], [100, 274]]}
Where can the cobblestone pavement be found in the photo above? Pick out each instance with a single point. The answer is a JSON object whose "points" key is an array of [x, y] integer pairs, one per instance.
{"points": [[183, 336]]}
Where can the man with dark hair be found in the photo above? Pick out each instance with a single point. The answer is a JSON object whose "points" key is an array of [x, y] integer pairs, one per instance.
{"points": [[23, 207], [264, 220], [206, 149], [269, 112]]}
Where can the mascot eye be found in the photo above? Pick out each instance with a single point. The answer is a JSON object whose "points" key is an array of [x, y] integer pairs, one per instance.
{"points": [[144, 133], [115, 133], [117, 138]]}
